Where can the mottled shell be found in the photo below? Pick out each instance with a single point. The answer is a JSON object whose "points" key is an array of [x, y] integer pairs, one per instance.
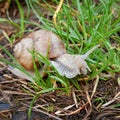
{"points": [[44, 42]]}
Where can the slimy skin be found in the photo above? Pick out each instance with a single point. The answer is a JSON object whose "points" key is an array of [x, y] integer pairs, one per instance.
{"points": [[71, 65]]}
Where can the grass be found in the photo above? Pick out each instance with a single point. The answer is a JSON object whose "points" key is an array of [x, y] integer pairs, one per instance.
{"points": [[81, 25]]}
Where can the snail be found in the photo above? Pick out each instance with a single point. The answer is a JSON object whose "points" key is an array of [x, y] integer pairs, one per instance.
{"points": [[49, 45]]}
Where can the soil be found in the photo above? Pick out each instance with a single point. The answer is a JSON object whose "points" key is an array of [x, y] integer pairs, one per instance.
{"points": [[16, 94]]}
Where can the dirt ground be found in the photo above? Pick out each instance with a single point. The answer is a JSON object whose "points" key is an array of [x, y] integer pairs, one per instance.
{"points": [[16, 94], [14, 102]]}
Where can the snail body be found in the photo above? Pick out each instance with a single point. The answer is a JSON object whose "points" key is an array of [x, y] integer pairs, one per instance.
{"points": [[50, 45]]}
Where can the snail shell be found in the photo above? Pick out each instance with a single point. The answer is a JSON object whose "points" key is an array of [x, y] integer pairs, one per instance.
{"points": [[44, 42]]}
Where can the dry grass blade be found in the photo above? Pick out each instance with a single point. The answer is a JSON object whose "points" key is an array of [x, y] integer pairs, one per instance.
{"points": [[9, 81], [90, 103], [75, 99], [27, 88], [56, 12], [1, 63], [109, 113], [90, 98], [3, 113], [73, 112], [118, 80], [95, 86], [46, 113], [117, 96], [78, 110], [5, 97], [16, 93], [64, 109], [2, 37]]}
